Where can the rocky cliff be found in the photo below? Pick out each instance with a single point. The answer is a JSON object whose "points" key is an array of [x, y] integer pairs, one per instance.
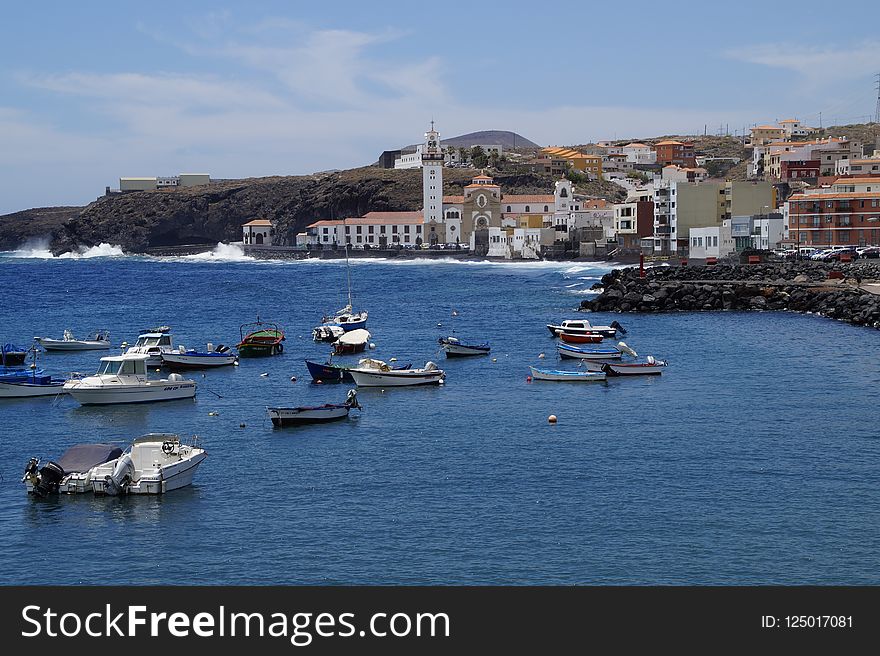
{"points": [[208, 214]]}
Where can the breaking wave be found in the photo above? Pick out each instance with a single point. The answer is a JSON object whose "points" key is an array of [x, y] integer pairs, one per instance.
{"points": [[221, 253], [39, 249]]}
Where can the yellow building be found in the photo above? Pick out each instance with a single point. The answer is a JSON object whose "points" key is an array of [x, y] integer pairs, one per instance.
{"points": [[764, 134], [591, 164]]}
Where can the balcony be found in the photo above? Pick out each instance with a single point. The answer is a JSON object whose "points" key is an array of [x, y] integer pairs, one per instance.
{"points": [[663, 230]]}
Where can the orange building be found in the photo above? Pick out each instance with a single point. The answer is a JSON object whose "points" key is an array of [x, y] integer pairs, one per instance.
{"points": [[675, 152]]}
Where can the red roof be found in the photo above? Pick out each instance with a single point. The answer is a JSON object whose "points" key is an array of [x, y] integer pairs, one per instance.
{"points": [[454, 200], [374, 218], [534, 198]]}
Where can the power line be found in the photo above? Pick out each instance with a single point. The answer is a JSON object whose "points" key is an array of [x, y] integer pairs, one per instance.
{"points": [[877, 110]]}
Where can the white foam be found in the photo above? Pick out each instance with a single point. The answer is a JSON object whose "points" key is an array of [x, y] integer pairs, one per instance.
{"points": [[39, 249], [221, 253]]}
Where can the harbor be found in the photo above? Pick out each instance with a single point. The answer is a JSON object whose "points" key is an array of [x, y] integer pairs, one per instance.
{"points": [[640, 478]]}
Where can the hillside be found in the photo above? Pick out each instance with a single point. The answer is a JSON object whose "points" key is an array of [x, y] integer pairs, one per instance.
{"points": [[509, 140], [206, 215]]}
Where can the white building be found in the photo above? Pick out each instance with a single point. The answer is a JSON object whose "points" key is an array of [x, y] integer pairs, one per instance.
{"points": [[164, 182], [866, 166], [258, 232], [409, 160], [373, 230], [767, 231], [639, 153]]}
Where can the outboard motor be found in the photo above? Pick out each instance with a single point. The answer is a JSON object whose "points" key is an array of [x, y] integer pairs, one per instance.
{"points": [[46, 481], [430, 366], [114, 484], [351, 400], [618, 327], [221, 348]]}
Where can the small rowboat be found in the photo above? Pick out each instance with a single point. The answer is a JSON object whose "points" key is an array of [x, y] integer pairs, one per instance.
{"points": [[567, 351], [31, 386], [455, 348], [569, 376], [337, 373], [314, 414], [650, 368], [184, 358], [366, 375], [353, 341], [586, 338], [259, 339]]}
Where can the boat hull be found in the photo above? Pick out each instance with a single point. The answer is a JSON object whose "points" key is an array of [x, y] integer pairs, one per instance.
{"points": [[586, 338], [455, 349], [106, 395], [396, 378], [328, 373], [257, 350], [169, 477], [24, 389], [567, 376], [587, 354], [71, 345], [617, 369], [299, 416], [197, 361]]}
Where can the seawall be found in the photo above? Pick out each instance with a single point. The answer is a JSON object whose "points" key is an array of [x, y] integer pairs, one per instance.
{"points": [[848, 292]]}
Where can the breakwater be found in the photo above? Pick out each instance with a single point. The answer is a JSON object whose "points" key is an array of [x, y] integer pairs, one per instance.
{"points": [[847, 292]]}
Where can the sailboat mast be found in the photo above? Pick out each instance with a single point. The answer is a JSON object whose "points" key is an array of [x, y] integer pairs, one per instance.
{"points": [[348, 272]]}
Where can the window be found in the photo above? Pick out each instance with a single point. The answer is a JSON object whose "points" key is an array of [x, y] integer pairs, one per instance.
{"points": [[418, 229], [714, 241], [508, 208], [326, 238], [546, 209], [527, 209], [348, 230], [406, 229], [406, 238], [370, 229], [326, 230], [699, 241], [394, 229], [382, 230], [359, 239], [359, 230]]}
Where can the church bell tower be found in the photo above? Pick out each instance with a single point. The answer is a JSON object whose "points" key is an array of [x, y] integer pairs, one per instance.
{"points": [[432, 177]]}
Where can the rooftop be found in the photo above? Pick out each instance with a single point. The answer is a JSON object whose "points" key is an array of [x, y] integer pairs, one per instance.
{"points": [[258, 222]]}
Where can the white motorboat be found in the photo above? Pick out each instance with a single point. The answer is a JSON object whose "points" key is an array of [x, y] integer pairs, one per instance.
{"points": [[314, 414], [454, 347], [155, 463], [327, 333], [613, 353], [71, 473], [569, 376], [651, 367], [184, 358], [123, 379], [369, 374], [583, 327], [100, 339], [153, 343]]}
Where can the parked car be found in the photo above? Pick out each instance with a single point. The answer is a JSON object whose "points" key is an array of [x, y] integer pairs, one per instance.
{"points": [[869, 251], [835, 255]]}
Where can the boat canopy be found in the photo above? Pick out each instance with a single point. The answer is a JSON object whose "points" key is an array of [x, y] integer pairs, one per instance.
{"points": [[83, 457]]}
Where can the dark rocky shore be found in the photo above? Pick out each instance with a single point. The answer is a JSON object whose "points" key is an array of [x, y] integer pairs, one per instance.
{"points": [[847, 292]]}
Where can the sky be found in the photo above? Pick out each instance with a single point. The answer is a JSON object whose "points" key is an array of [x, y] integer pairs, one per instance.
{"points": [[94, 91]]}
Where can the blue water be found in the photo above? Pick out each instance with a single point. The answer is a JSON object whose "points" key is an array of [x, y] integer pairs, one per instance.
{"points": [[752, 459]]}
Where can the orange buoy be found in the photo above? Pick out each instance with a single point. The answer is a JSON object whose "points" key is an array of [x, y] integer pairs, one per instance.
{"points": [[528, 379]]}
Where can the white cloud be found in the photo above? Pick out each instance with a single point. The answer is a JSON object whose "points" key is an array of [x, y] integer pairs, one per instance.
{"points": [[814, 63]]}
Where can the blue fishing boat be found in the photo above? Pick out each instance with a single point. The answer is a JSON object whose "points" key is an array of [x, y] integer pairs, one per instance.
{"points": [[327, 372], [566, 376], [455, 348], [18, 374], [32, 385]]}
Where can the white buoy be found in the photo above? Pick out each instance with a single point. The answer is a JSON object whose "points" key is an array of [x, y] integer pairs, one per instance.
{"points": [[264, 374], [212, 414], [235, 364], [293, 379], [552, 419], [540, 356], [393, 360], [494, 359], [372, 345]]}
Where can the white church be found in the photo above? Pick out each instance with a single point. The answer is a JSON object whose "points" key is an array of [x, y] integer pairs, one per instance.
{"points": [[483, 219]]}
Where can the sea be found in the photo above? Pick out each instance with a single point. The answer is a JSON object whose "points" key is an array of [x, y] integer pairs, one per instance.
{"points": [[753, 458]]}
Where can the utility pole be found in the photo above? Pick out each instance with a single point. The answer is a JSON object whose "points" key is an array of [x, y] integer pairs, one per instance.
{"points": [[877, 111], [820, 120]]}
